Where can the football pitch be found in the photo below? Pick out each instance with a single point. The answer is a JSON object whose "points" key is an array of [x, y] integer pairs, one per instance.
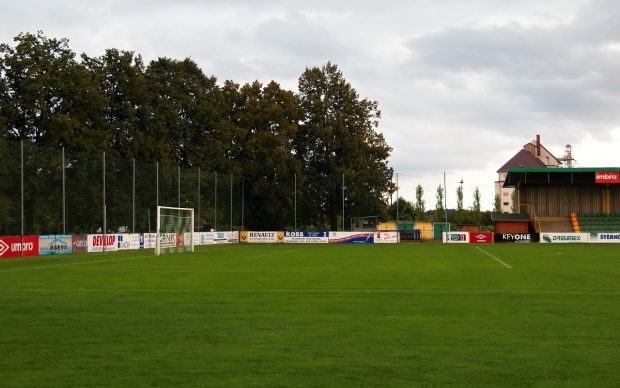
{"points": [[406, 315]]}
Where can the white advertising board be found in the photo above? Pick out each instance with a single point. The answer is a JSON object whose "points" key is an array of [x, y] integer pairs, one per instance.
{"points": [[206, 238], [262, 237], [563, 238], [387, 237], [608, 238], [127, 241], [148, 240], [96, 242], [312, 237], [455, 237], [351, 237], [225, 237]]}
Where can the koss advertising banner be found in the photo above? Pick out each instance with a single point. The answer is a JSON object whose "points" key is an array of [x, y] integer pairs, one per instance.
{"points": [[563, 238], [13, 247], [481, 237], [351, 237], [59, 244], [607, 238], [80, 243], [456, 237], [96, 242], [306, 237], [516, 237], [387, 237]]}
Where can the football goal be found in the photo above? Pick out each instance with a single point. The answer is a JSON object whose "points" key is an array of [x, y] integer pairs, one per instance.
{"points": [[175, 230]]}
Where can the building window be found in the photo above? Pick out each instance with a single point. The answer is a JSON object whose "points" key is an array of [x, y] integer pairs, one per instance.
{"points": [[505, 203]]}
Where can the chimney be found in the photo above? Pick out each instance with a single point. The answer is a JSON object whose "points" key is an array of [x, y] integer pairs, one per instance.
{"points": [[537, 145]]}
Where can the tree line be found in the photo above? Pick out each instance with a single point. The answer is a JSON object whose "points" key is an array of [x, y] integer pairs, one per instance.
{"points": [[322, 139]]}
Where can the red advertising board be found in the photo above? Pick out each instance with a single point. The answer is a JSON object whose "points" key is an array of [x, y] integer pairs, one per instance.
{"points": [[607, 177], [481, 237], [12, 246]]}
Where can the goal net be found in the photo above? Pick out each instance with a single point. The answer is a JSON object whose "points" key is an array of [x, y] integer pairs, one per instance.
{"points": [[175, 230]]}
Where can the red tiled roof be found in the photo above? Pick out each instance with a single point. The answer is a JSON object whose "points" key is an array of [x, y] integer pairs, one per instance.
{"points": [[522, 159]]}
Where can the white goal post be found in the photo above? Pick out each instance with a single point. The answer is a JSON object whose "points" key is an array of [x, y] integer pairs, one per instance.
{"points": [[175, 230]]}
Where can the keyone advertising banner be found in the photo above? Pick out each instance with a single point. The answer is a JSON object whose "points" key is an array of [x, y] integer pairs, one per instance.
{"points": [[55, 244], [481, 237], [516, 237], [455, 237], [313, 237], [80, 243], [563, 238], [96, 242], [13, 247], [607, 238], [387, 237], [148, 240], [351, 237]]}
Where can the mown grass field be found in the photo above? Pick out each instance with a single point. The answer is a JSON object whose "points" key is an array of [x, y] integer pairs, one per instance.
{"points": [[423, 315]]}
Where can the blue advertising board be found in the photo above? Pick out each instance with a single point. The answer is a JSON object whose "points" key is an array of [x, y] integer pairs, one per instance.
{"points": [[55, 244]]}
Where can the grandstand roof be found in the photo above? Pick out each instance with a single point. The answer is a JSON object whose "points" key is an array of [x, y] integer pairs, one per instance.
{"points": [[554, 176]]}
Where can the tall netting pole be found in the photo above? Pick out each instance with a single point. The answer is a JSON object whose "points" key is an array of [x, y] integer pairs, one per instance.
{"points": [[133, 206], [197, 226], [64, 218], [22, 191], [231, 202], [215, 192], [103, 227]]}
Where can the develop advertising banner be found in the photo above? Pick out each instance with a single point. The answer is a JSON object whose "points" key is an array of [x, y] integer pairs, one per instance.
{"points": [[516, 237], [80, 243], [455, 237], [481, 237], [351, 237], [313, 237], [148, 240], [387, 237], [563, 238], [55, 244], [96, 242], [608, 238], [13, 247]]}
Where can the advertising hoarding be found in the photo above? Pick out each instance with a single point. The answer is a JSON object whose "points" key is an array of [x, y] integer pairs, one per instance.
{"points": [[225, 237], [387, 237], [55, 244], [206, 238], [481, 237], [148, 240], [12, 246], [127, 241], [455, 237], [606, 238], [516, 237], [80, 243], [607, 177], [351, 237], [563, 238], [313, 237], [96, 243]]}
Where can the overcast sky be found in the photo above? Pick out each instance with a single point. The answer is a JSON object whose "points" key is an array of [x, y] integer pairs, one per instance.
{"points": [[462, 85]]}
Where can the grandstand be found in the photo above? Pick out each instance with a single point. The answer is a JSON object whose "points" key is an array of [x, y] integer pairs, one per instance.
{"points": [[568, 199]]}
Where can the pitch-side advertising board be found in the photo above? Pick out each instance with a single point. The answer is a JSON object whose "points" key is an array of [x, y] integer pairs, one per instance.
{"points": [[258, 237], [55, 244], [387, 237], [97, 243], [225, 237], [516, 237], [312, 237], [13, 246], [563, 238], [607, 238], [127, 241], [80, 243], [456, 237], [481, 237], [206, 238], [351, 237]]}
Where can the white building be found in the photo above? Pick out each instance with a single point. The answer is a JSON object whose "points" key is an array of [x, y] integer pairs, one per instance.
{"points": [[533, 154]]}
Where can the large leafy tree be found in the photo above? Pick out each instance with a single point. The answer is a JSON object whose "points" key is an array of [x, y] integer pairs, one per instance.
{"points": [[264, 120], [184, 105], [339, 145], [475, 210], [440, 213], [48, 97]]}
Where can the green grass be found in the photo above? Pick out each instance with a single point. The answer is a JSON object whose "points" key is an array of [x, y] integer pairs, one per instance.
{"points": [[405, 315]]}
